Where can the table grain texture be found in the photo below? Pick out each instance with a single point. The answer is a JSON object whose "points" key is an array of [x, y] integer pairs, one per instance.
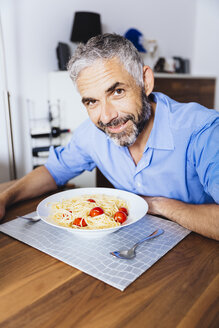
{"points": [[36, 290]]}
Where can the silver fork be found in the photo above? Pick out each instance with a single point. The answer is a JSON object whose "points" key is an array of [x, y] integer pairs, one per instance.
{"points": [[34, 219], [130, 253]]}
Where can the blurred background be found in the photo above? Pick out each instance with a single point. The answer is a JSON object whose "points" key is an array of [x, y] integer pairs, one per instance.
{"points": [[38, 103]]}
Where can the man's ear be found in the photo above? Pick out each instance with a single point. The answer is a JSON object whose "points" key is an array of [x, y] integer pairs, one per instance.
{"points": [[148, 78]]}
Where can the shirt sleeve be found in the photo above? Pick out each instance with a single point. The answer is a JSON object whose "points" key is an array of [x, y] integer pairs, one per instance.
{"points": [[205, 157], [65, 163]]}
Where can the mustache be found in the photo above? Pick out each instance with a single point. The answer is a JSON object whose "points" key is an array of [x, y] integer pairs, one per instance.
{"points": [[117, 121]]}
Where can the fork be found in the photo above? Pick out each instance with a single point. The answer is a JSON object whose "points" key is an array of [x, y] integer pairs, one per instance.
{"points": [[130, 253], [33, 219]]}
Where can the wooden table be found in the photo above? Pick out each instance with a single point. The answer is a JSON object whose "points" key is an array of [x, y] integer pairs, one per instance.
{"points": [[36, 290]]}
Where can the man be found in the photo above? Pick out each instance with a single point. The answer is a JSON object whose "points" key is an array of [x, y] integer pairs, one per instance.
{"points": [[142, 142]]}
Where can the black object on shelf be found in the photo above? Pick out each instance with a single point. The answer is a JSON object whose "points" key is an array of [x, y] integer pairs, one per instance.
{"points": [[55, 132], [36, 166], [37, 150], [85, 26], [159, 65], [179, 65], [63, 55]]}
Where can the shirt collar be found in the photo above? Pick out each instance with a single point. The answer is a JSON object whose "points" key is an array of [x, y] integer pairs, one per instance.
{"points": [[161, 136]]}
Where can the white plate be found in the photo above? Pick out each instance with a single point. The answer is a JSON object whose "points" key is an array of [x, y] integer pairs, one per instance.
{"points": [[138, 207]]}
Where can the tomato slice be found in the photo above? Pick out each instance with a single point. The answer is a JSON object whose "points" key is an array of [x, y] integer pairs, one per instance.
{"points": [[120, 217], [124, 209], [80, 222], [83, 223], [96, 211], [91, 200]]}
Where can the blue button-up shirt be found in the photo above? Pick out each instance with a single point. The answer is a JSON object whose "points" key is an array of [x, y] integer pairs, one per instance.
{"points": [[180, 159]]}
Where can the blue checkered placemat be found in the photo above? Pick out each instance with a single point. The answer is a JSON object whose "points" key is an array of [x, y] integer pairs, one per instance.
{"points": [[92, 256]]}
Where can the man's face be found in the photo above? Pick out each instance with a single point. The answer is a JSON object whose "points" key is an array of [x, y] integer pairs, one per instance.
{"points": [[115, 103]]}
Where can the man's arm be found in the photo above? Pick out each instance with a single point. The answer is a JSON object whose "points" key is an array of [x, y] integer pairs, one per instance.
{"points": [[203, 219], [34, 184]]}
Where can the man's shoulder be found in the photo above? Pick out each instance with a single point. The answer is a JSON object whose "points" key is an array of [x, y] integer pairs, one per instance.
{"points": [[87, 132], [187, 115], [86, 124], [85, 128]]}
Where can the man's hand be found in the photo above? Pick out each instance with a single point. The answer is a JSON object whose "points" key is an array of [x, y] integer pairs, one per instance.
{"points": [[153, 204], [2, 209], [203, 219], [34, 184]]}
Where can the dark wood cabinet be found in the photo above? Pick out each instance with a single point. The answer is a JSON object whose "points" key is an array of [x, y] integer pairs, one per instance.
{"points": [[187, 89]]}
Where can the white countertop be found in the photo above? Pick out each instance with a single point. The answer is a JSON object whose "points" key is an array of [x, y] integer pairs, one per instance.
{"points": [[183, 76]]}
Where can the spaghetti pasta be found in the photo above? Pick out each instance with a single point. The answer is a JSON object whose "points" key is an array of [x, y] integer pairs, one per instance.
{"points": [[88, 212]]}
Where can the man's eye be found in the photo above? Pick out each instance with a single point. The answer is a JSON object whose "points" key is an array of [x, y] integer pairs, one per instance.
{"points": [[119, 92], [90, 103]]}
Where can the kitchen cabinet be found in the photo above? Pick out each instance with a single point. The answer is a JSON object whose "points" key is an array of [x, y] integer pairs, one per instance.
{"points": [[187, 88]]}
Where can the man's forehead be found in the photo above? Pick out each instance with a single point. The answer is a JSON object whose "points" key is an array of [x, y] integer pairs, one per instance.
{"points": [[105, 61], [103, 73], [102, 65]]}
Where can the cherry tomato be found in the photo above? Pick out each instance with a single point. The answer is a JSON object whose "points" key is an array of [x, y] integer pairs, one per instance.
{"points": [[120, 217], [96, 211], [80, 222], [123, 209], [91, 200], [83, 223]]}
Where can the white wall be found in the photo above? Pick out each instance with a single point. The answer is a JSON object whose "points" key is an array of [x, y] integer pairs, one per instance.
{"points": [[206, 46], [42, 23], [38, 25], [10, 22], [4, 144]]}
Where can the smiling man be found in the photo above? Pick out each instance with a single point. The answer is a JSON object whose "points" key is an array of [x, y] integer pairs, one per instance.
{"points": [[121, 109], [143, 142]]}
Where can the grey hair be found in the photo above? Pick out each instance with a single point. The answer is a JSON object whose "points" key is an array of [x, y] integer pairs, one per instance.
{"points": [[107, 46]]}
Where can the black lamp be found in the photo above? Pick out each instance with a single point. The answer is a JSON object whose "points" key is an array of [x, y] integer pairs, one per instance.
{"points": [[86, 25]]}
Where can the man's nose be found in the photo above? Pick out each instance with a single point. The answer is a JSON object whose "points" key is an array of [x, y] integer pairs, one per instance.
{"points": [[108, 113]]}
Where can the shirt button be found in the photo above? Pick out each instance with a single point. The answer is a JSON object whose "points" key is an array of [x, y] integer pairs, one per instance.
{"points": [[138, 184]]}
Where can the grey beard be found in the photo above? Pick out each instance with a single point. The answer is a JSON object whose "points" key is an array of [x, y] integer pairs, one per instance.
{"points": [[128, 138]]}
